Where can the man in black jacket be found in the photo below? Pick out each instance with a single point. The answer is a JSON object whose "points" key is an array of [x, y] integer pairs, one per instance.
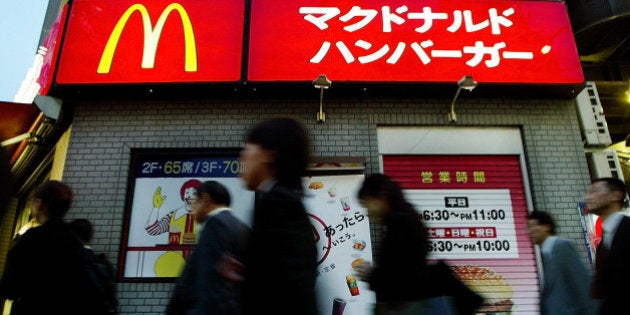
{"points": [[212, 278], [281, 252], [45, 271], [606, 199]]}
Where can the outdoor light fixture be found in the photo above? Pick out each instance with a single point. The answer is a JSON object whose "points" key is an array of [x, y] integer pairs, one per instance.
{"points": [[466, 83], [50, 106], [321, 83]]}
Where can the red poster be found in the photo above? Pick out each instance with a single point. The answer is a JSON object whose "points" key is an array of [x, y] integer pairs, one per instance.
{"points": [[495, 41], [476, 212], [131, 41]]}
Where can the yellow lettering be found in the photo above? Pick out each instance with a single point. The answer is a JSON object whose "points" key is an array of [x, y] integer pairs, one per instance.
{"points": [[151, 38]]}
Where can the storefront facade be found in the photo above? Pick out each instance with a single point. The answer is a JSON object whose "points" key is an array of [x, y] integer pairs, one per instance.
{"points": [[115, 116], [104, 133]]}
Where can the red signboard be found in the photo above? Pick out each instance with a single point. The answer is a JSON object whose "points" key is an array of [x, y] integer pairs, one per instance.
{"points": [[52, 43], [495, 41], [132, 41]]}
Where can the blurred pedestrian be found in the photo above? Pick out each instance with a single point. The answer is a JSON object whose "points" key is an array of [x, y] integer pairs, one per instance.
{"points": [[45, 272], [402, 280], [606, 198], [566, 280], [101, 270], [403, 249], [281, 253], [212, 278]]}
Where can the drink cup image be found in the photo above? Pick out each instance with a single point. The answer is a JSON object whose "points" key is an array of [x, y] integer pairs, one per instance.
{"points": [[332, 191], [352, 285], [338, 306], [345, 203]]}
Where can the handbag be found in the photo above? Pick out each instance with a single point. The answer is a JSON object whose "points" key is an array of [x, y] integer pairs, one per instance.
{"points": [[446, 284]]}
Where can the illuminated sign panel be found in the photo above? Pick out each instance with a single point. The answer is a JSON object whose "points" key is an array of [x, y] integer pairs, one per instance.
{"points": [[413, 41], [152, 41]]}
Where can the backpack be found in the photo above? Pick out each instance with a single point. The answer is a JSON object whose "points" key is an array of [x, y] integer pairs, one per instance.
{"points": [[102, 282]]}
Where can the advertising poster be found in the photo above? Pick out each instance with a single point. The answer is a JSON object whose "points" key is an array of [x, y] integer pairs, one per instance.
{"points": [[342, 235], [475, 210], [161, 232]]}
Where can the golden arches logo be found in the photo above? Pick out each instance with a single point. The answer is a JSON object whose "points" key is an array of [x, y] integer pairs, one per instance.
{"points": [[151, 38]]}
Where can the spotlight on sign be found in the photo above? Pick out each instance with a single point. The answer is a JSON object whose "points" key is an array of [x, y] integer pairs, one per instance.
{"points": [[322, 83], [465, 83]]}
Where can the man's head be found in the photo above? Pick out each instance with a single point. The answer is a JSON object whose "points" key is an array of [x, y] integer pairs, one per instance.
{"points": [[209, 196], [51, 200], [83, 229], [275, 149], [606, 196], [540, 226]]}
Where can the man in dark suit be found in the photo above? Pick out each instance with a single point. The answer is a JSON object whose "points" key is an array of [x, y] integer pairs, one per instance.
{"points": [[45, 271], [566, 280], [605, 198], [281, 253], [212, 278]]}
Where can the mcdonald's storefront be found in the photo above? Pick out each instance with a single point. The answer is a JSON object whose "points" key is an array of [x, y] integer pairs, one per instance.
{"points": [[162, 92]]}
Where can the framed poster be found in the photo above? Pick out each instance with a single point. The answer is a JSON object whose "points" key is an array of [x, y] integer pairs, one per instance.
{"points": [[159, 230], [342, 237]]}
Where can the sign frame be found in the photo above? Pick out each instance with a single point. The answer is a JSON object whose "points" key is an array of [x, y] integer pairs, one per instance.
{"points": [[164, 165]]}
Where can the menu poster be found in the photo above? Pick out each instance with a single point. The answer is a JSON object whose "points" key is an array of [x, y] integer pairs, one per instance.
{"points": [[160, 231], [475, 211], [342, 235]]}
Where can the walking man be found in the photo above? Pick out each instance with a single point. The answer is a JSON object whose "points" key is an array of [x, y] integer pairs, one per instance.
{"points": [[211, 280], [611, 285], [566, 280]]}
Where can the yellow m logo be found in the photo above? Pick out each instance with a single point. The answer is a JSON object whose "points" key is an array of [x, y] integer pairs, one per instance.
{"points": [[151, 37]]}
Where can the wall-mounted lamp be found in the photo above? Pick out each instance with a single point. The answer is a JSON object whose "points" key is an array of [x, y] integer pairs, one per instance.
{"points": [[50, 106], [466, 83], [321, 83]]}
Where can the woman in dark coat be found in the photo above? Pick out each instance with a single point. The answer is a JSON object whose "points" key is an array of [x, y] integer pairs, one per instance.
{"points": [[399, 276]]}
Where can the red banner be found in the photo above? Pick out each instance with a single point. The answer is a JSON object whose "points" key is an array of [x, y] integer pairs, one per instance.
{"points": [[129, 41], [495, 41]]}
